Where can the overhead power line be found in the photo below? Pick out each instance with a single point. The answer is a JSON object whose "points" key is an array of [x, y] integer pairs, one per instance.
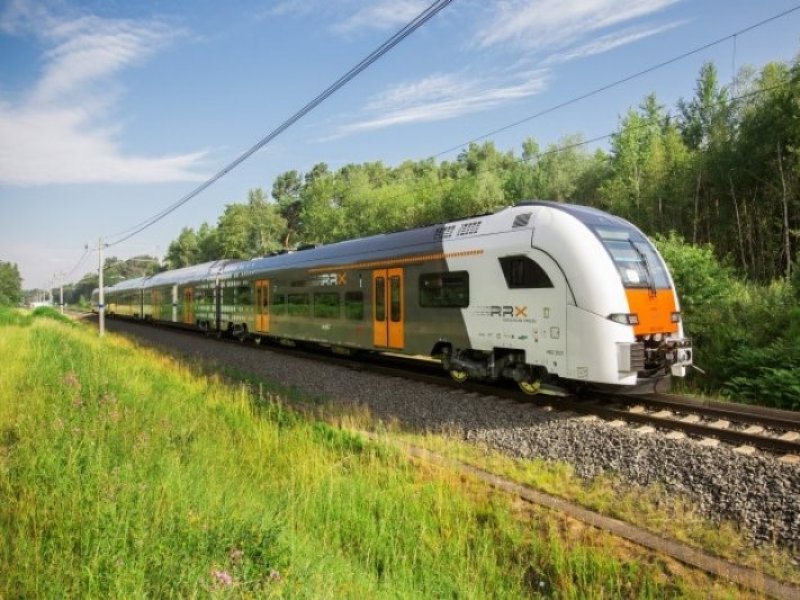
{"points": [[77, 265], [618, 82], [376, 54]]}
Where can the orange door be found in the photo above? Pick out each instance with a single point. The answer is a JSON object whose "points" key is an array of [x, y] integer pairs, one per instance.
{"points": [[188, 312], [388, 309], [262, 305]]}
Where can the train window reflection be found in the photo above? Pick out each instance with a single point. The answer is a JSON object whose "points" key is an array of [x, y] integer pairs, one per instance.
{"points": [[354, 305], [394, 296], [380, 299], [523, 272], [444, 290], [326, 305], [243, 295], [279, 304], [636, 260], [298, 305]]}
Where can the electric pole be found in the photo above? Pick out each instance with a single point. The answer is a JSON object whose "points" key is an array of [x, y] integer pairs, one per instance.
{"points": [[101, 300], [61, 291]]}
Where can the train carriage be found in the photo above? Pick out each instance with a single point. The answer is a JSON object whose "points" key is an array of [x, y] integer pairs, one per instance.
{"points": [[537, 292]]}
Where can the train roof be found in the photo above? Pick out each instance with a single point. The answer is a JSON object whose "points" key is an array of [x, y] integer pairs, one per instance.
{"points": [[127, 284], [585, 214], [200, 272], [423, 240]]}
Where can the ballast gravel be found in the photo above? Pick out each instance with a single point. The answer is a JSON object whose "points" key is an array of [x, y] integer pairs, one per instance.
{"points": [[759, 493]]}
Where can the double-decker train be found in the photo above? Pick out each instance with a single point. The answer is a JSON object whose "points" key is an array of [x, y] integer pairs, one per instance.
{"points": [[540, 292]]}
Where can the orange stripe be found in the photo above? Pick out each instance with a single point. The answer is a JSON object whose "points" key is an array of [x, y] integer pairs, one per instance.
{"points": [[654, 310], [391, 262]]}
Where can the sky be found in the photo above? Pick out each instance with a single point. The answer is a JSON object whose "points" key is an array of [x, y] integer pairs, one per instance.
{"points": [[112, 110]]}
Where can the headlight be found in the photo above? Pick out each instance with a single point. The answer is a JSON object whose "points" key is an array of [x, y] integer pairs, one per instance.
{"points": [[624, 318], [676, 317]]}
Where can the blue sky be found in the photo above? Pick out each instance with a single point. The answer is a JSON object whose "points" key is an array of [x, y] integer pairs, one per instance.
{"points": [[111, 110]]}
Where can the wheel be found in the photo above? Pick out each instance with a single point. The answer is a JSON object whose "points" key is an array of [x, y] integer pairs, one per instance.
{"points": [[458, 375], [530, 386]]}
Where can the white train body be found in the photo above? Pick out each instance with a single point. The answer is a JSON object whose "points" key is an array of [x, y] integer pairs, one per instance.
{"points": [[567, 328]]}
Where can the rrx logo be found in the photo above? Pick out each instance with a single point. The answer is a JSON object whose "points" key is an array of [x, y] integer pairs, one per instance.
{"points": [[516, 312]]}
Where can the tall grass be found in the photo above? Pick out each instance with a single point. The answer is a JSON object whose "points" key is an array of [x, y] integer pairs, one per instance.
{"points": [[125, 474]]}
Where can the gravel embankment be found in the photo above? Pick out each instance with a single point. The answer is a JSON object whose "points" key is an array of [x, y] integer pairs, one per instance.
{"points": [[759, 493]]}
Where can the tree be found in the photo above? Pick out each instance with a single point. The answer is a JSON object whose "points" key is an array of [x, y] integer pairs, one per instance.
{"points": [[207, 243], [706, 118], [233, 231], [10, 284], [249, 230], [185, 250], [286, 191], [266, 225]]}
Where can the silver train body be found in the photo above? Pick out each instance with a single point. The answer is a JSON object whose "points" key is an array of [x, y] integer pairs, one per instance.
{"points": [[540, 292]]}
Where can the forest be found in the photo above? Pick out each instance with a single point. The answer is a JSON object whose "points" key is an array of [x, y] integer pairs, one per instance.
{"points": [[714, 181]]}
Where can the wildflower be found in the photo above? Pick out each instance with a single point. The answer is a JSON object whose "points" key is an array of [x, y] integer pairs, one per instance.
{"points": [[274, 575], [108, 398], [222, 577], [236, 555], [71, 380]]}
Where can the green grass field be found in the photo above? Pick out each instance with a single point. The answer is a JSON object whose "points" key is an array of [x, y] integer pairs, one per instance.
{"points": [[124, 473]]}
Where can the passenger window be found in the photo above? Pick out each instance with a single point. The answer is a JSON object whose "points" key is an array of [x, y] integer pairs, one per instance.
{"points": [[279, 304], [394, 295], [380, 299], [228, 295], [522, 272], [444, 290], [243, 295], [354, 305], [326, 305], [298, 305]]}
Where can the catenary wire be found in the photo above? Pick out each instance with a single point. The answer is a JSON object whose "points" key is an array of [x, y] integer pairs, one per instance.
{"points": [[376, 54], [78, 264]]}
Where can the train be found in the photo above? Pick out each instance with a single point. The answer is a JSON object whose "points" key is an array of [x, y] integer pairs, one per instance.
{"points": [[546, 294]]}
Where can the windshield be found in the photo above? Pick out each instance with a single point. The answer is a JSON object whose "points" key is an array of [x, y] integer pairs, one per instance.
{"points": [[635, 258]]}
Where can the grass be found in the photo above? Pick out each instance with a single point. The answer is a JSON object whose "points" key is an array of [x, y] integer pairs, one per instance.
{"points": [[124, 473]]}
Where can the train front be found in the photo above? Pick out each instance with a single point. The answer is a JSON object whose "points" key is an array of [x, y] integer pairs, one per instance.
{"points": [[624, 328], [660, 347]]}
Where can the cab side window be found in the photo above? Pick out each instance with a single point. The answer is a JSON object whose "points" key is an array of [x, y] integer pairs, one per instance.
{"points": [[522, 272]]}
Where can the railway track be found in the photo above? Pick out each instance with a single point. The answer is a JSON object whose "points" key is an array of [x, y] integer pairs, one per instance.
{"points": [[747, 428]]}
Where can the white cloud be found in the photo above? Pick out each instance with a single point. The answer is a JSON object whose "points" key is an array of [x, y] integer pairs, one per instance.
{"points": [[60, 130], [353, 16], [609, 42], [549, 24], [381, 15], [46, 145], [441, 97]]}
